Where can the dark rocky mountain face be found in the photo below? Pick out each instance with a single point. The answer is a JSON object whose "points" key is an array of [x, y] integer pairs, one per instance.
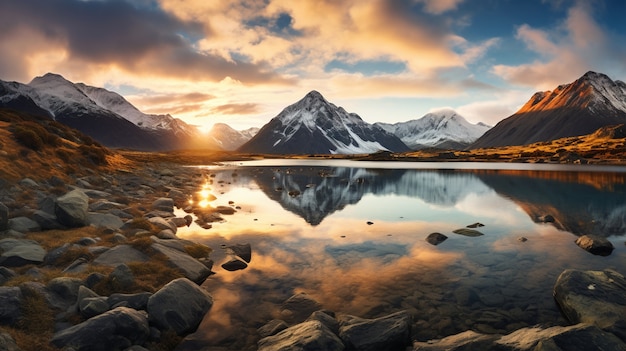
{"points": [[315, 126], [579, 108]]}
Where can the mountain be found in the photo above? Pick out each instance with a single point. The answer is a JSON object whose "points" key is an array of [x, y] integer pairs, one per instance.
{"points": [[316, 126], [444, 129], [104, 115], [228, 138], [579, 108]]}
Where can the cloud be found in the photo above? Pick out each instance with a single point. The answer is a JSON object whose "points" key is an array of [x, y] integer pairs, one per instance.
{"points": [[565, 52], [236, 109], [440, 6], [141, 40], [499, 106]]}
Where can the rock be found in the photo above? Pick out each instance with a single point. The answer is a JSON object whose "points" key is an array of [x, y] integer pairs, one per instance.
{"points": [[188, 219], [79, 265], [20, 252], [66, 289], [71, 209], [272, 327], [162, 224], [138, 301], [593, 297], [104, 205], [546, 219], [23, 225], [46, 221], [163, 204], [436, 238], [468, 340], [392, 332], [120, 254], [104, 220], [122, 277], [53, 255], [117, 329], [575, 337], [243, 251], [475, 225], [594, 244], [327, 319], [4, 217], [467, 232], [93, 306], [10, 299], [86, 241], [119, 238], [234, 265], [189, 266], [6, 274], [7, 343], [307, 336], [166, 234], [179, 306], [299, 307], [225, 210], [179, 222], [96, 194], [29, 183]]}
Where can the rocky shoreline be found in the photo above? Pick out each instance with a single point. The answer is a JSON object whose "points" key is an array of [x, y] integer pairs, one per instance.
{"points": [[99, 254]]}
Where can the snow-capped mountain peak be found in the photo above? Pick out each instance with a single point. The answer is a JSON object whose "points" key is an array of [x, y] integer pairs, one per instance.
{"points": [[444, 128], [314, 125]]}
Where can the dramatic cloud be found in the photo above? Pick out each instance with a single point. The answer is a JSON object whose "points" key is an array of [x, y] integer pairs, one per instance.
{"points": [[565, 53], [236, 109], [137, 39]]}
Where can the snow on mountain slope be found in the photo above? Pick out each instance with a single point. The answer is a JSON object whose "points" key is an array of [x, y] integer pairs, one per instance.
{"points": [[316, 126], [444, 128], [228, 138]]}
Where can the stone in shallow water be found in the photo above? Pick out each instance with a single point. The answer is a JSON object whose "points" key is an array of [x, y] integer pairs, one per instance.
{"points": [[234, 265], [594, 244], [243, 251], [467, 232], [475, 225], [392, 332], [436, 238], [307, 336]]}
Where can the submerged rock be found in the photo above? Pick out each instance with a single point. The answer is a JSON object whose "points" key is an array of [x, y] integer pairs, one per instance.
{"points": [[475, 225], [234, 265], [596, 245], [436, 238], [467, 232], [243, 251]]}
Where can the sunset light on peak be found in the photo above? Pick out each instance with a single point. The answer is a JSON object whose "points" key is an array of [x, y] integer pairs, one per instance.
{"points": [[241, 62]]}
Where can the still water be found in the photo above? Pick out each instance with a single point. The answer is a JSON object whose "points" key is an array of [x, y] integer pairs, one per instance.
{"points": [[352, 235]]}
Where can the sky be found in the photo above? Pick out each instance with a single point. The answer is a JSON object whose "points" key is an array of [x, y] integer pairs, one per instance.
{"points": [[241, 62]]}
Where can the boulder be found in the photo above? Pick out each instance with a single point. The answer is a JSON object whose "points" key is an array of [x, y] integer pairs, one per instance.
{"points": [[436, 238], [327, 318], [71, 208], [10, 299], [93, 306], [392, 332], [122, 277], [468, 340], [272, 327], [594, 244], [138, 301], [234, 265], [179, 222], [104, 220], [23, 225], [468, 232], [46, 221], [593, 297], [104, 205], [120, 254], [166, 234], [20, 252], [163, 204], [162, 224], [308, 336], [6, 274], [55, 254], [117, 329], [4, 217], [189, 266], [299, 307], [65, 290], [179, 306]]}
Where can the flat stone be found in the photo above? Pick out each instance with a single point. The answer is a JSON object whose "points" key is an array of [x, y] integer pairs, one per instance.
{"points": [[104, 220], [307, 336], [120, 254], [189, 266], [392, 332], [23, 225], [20, 252], [436, 238]]}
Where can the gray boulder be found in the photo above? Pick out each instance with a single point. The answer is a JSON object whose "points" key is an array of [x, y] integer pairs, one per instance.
{"points": [[272, 327], [162, 224], [46, 221], [117, 329], [243, 251], [122, 277], [299, 307], [4, 217], [23, 225], [468, 340], [179, 306], [104, 220], [593, 297], [308, 336], [20, 252], [594, 244], [327, 319], [138, 301], [436, 238], [71, 209], [6, 274], [163, 204], [234, 265], [166, 234], [392, 332], [120, 254], [189, 266], [64, 291], [93, 306], [10, 299]]}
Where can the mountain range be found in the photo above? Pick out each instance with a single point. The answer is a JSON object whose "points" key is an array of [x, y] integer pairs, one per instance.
{"points": [[591, 102], [443, 129]]}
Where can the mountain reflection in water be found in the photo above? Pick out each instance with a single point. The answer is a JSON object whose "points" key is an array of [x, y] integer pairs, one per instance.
{"points": [[308, 227]]}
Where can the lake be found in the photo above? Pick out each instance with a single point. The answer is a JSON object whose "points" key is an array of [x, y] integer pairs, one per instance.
{"points": [[352, 235]]}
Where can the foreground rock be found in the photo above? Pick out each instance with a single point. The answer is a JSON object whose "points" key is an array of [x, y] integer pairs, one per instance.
{"points": [[179, 306], [387, 333], [71, 209], [307, 336], [18, 252], [596, 245], [593, 297], [436, 238], [117, 329], [191, 268]]}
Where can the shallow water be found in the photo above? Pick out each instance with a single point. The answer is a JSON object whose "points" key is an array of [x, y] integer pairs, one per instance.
{"points": [[318, 240]]}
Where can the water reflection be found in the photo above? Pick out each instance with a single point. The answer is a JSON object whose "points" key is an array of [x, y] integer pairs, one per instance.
{"points": [[492, 283]]}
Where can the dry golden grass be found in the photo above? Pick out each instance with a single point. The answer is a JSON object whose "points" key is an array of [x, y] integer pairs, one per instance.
{"points": [[51, 239], [198, 250]]}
